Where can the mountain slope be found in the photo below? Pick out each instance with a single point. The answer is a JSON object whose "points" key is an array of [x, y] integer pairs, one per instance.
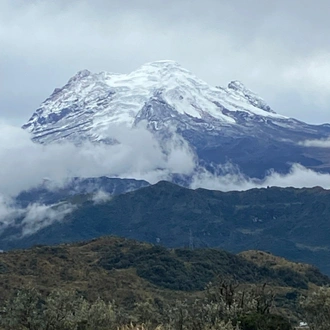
{"points": [[289, 222], [220, 124]]}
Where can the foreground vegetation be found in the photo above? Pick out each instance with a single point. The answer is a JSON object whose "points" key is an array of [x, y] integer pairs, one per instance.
{"points": [[221, 307], [112, 282]]}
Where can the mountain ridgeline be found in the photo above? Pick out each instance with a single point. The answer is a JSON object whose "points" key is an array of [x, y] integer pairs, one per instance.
{"points": [[288, 222], [48, 194]]}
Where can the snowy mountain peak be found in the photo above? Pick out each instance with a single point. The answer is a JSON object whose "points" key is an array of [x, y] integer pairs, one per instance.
{"points": [[187, 118], [90, 102], [237, 85], [80, 75], [254, 99]]}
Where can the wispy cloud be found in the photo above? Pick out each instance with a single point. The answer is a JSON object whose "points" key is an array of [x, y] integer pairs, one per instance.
{"points": [[37, 216], [32, 218], [298, 177], [101, 197], [322, 143], [25, 164], [8, 212]]}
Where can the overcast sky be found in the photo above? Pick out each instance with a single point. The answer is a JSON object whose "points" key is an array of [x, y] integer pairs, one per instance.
{"points": [[279, 49]]}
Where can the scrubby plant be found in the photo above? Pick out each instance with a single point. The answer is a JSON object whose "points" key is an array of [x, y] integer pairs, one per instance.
{"points": [[61, 309], [223, 307], [23, 311]]}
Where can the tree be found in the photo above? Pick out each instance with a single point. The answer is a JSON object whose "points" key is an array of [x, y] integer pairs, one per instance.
{"points": [[23, 311]]}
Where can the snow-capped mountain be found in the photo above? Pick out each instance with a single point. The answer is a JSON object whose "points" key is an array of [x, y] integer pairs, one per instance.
{"points": [[220, 124], [89, 102]]}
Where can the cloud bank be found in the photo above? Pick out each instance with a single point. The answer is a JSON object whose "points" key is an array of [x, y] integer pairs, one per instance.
{"points": [[25, 164], [138, 155], [298, 177], [101, 197]]}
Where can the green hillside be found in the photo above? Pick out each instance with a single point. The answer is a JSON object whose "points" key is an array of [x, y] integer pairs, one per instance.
{"points": [[289, 222], [132, 273]]}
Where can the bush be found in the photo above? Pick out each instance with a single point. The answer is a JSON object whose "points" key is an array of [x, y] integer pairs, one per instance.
{"points": [[222, 308], [60, 310]]}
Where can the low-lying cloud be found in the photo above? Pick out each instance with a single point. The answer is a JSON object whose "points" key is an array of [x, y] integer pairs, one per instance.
{"points": [[138, 155], [298, 177], [40, 216], [31, 219], [25, 164], [8, 212], [101, 197], [321, 143]]}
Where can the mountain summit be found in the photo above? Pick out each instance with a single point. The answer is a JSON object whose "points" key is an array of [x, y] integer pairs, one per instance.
{"points": [[220, 124], [89, 102], [251, 97]]}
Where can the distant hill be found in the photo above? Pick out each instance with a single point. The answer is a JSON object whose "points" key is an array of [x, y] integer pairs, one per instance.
{"points": [[129, 271], [292, 223]]}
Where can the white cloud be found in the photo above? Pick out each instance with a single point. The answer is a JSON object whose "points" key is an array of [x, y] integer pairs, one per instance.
{"points": [[38, 216], [298, 177], [25, 164], [33, 218], [101, 197], [322, 143], [8, 212]]}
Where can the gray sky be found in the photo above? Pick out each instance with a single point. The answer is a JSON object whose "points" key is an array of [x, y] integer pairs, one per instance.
{"points": [[279, 49]]}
